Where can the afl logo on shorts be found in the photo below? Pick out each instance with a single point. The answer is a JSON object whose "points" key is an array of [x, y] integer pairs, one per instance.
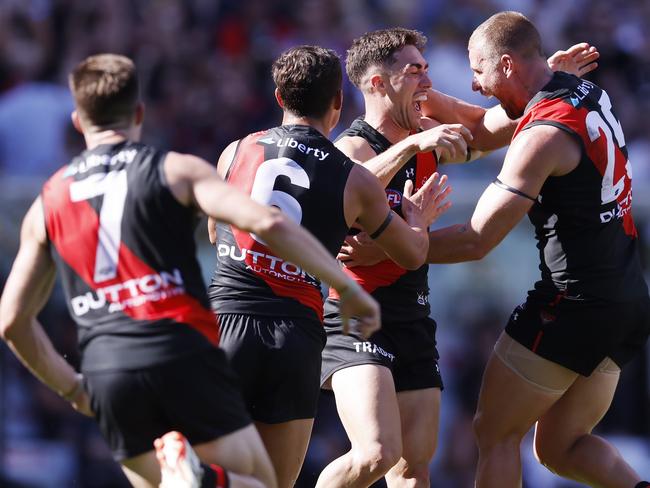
{"points": [[394, 197]]}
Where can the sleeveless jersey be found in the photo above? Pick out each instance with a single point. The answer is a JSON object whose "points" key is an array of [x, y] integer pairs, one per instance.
{"points": [[403, 294], [297, 169], [583, 220], [125, 251]]}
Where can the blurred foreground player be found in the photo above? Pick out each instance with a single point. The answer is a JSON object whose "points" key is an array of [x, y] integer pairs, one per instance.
{"points": [[117, 223]]}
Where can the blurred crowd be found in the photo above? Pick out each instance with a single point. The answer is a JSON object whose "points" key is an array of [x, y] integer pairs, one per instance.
{"points": [[204, 68]]}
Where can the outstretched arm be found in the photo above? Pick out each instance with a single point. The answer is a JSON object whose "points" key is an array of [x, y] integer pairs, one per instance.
{"points": [[194, 182], [534, 155], [26, 291], [449, 141]]}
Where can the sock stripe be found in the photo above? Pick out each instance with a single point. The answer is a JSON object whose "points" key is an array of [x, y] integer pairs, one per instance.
{"points": [[222, 476]]}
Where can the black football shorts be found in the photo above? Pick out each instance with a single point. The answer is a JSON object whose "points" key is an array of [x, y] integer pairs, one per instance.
{"points": [[578, 333], [196, 394], [278, 361], [408, 349]]}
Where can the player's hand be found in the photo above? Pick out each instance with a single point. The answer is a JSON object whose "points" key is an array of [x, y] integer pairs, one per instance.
{"points": [[448, 140], [358, 310], [212, 230], [429, 202], [578, 60], [360, 250]]}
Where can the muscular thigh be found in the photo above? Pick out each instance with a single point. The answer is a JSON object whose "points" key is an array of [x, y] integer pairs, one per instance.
{"points": [[578, 333], [419, 414], [278, 361], [348, 350], [539, 372]]}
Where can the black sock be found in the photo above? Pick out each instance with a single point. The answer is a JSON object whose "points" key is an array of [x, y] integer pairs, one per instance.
{"points": [[214, 476]]}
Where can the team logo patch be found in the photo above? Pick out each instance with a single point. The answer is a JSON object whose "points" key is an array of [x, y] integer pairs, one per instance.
{"points": [[394, 197]]}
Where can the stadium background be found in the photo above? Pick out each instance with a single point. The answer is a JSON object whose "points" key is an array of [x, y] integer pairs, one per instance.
{"points": [[204, 67]]}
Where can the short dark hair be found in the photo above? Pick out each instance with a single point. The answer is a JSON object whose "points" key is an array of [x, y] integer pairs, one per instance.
{"points": [[507, 33], [378, 48], [105, 89], [308, 78]]}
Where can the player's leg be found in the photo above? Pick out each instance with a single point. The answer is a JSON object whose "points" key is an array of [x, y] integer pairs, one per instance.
{"points": [[278, 361], [563, 439], [516, 391], [142, 471], [236, 460], [286, 444], [367, 405], [419, 384], [419, 414]]}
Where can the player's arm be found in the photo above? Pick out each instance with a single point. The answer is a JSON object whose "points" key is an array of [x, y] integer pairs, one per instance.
{"points": [[534, 155], [225, 160], [26, 291], [491, 128], [404, 241], [194, 182], [467, 155], [447, 140]]}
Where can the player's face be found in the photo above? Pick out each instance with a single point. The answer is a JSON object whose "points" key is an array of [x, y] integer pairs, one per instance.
{"points": [[490, 80], [407, 85]]}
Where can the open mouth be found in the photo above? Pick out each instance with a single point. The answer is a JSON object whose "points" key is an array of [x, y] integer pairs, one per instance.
{"points": [[417, 102]]}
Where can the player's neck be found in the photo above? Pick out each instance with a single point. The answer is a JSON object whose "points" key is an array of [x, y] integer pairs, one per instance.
{"points": [[537, 77], [100, 137], [319, 124], [383, 123]]}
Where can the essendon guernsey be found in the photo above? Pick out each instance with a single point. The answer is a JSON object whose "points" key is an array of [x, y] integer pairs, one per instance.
{"points": [[583, 220], [403, 294], [297, 169], [125, 250]]}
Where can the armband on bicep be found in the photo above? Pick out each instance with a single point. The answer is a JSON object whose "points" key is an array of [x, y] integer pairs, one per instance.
{"points": [[500, 184], [383, 225]]}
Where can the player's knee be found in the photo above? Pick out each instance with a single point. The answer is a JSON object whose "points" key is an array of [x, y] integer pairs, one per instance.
{"points": [[487, 437], [480, 428], [418, 472], [379, 457], [550, 453]]}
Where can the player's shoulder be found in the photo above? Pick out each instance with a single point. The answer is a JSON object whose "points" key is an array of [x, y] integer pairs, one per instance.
{"points": [[355, 147]]}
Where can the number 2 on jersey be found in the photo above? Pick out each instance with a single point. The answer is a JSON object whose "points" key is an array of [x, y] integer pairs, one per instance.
{"points": [[113, 185], [595, 123]]}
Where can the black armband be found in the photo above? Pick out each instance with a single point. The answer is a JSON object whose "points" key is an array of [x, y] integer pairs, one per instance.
{"points": [[383, 225], [501, 184]]}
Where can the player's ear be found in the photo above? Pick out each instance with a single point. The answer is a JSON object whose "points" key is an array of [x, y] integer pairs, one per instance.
{"points": [[278, 98], [76, 121], [376, 82], [506, 63]]}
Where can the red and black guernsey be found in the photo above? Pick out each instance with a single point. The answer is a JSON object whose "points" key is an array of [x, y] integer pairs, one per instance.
{"points": [[403, 294], [125, 250], [583, 220], [297, 169]]}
